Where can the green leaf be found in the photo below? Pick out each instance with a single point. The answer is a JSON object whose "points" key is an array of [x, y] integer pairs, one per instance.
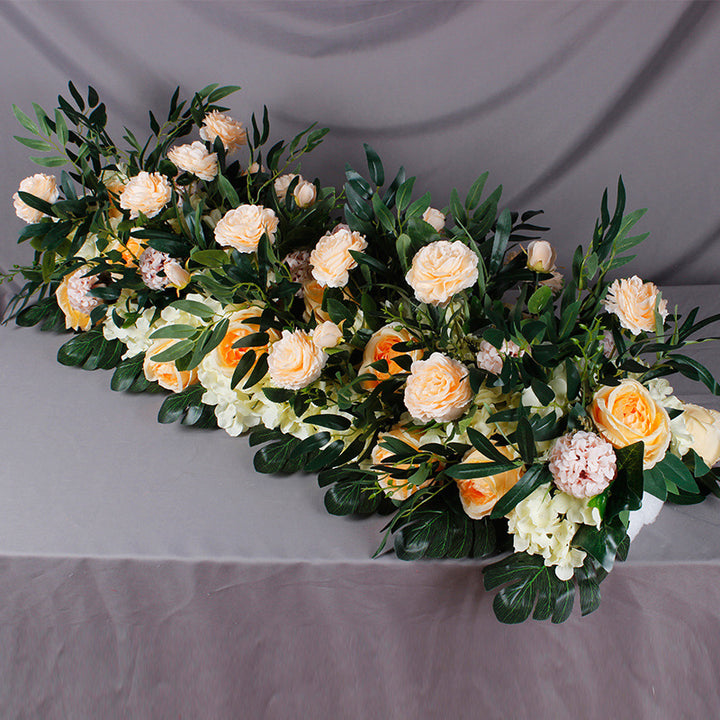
{"points": [[243, 368], [485, 446], [278, 395], [525, 440], [127, 373], [258, 372], [475, 193], [418, 207], [91, 351], [654, 483], [539, 299], [404, 193], [375, 167], [674, 470], [54, 161], [174, 352], [35, 143], [573, 379], [456, 208], [176, 406], [227, 190], [434, 534], [467, 471], [209, 258], [276, 457], [340, 312], [24, 120], [194, 308], [334, 422], [533, 478], [502, 234], [528, 581], [383, 214], [601, 544], [174, 331], [544, 393], [361, 496]]}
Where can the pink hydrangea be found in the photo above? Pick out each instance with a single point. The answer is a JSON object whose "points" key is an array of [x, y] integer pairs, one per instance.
{"points": [[582, 464], [150, 264], [78, 291], [491, 359]]}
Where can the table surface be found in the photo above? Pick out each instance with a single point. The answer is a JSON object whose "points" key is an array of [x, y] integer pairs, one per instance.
{"points": [[89, 472]]}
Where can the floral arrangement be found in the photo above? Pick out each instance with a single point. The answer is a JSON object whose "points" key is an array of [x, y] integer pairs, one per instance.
{"points": [[431, 365]]}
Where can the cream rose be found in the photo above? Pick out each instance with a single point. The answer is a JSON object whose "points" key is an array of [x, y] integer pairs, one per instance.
{"points": [[243, 227], [437, 389], [626, 414], [634, 303], [295, 360], [326, 335], [442, 269], [434, 218], [41, 186], [74, 299], [331, 260], [381, 347], [166, 374], [195, 159], [146, 193], [703, 425], [541, 256], [231, 132], [176, 274], [305, 194], [394, 487], [479, 495], [282, 183]]}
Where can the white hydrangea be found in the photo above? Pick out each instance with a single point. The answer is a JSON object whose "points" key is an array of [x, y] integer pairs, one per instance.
{"points": [[662, 392], [545, 524]]}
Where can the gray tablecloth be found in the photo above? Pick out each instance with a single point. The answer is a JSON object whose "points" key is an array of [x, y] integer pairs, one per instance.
{"points": [[146, 571]]}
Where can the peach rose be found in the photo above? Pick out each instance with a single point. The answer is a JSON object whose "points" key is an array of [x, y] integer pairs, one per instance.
{"points": [[398, 488], [541, 256], [634, 303], [380, 347], [146, 193], [326, 335], [626, 414], [228, 356], [295, 360], [131, 251], [114, 182], [243, 227], [41, 186], [74, 299], [195, 159], [479, 495], [703, 425], [313, 293], [441, 270], [231, 132], [434, 218], [331, 260], [437, 389], [166, 374]]}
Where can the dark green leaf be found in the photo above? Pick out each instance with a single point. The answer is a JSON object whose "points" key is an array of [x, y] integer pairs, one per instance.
{"points": [[533, 478]]}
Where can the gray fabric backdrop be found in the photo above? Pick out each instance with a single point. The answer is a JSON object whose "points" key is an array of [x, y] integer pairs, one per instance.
{"points": [[147, 572], [555, 99]]}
